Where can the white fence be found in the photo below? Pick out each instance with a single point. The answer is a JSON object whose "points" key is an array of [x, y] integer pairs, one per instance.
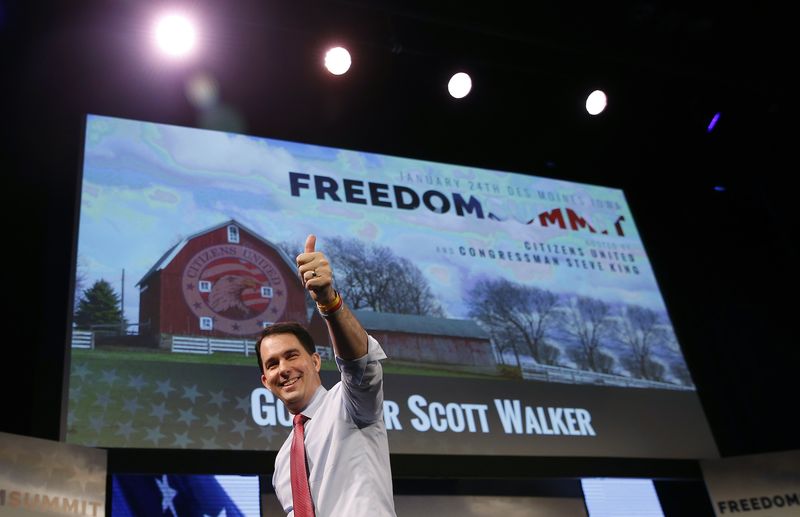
{"points": [[567, 375], [83, 339], [207, 345], [325, 352]]}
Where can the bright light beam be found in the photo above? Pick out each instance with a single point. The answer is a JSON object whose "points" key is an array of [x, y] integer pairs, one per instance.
{"points": [[337, 60], [175, 35], [596, 102], [460, 85]]}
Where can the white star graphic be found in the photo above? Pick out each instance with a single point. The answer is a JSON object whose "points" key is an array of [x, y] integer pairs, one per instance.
{"points": [[154, 434], [182, 440], [125, 429], [218, 398], [187, 416], [75, 393], [191, 393], [240, 426], [164, 388], [243, 403], [102, 400], [209, 443], [97, 423], [267, 432], [131, 405], [86, 475], [136, 382], [80, 370], [159, 411], [213, 421], [109, 376], [167, 495]]}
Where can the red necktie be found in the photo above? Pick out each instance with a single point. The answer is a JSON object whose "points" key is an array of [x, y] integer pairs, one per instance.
{"points": [[301, 493]]}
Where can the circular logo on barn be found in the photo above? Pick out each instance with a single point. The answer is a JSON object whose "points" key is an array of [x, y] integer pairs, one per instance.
{"points": [[233, 289]]}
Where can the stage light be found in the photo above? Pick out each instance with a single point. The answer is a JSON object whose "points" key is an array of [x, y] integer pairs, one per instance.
{"points": [[713, 122], [337, 60], [175, 35], [596, 102], [460, 85]]}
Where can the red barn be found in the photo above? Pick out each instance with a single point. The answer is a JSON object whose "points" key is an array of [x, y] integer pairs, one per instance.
{"points": [[421, 339], [224, 282]]}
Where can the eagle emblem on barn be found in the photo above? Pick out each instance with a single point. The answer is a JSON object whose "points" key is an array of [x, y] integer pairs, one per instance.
{"points": [[223, 281]]}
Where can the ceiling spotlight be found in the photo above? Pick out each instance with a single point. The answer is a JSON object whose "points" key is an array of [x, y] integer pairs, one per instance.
{"points": [[337, 60], [596, 102], [175, 35], [713, 122], [460, 85]]}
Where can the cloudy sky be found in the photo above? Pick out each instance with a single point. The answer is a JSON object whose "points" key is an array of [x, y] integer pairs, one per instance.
{"points": [[147, 186]]}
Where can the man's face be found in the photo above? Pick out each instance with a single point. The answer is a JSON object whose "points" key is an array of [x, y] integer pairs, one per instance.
{"points": [[290, 372]]}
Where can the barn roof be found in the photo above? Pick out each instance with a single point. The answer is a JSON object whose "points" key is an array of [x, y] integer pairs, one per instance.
{"points": [[170, 254], [414, 324]]}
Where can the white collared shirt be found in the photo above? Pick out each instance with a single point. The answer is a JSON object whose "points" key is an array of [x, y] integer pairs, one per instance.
{"points": [[346, 445]]}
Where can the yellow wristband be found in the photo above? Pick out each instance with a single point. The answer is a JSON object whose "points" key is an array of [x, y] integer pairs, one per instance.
{"points": [[331, 307]]}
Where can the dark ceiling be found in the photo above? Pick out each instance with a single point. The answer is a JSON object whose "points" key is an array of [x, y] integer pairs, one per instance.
{"points": [[724, 259], [667, 69]]}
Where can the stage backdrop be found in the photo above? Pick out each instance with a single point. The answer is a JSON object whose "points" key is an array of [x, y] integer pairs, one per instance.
{"points": [[761, 485], [520, 313], [45, 478]]}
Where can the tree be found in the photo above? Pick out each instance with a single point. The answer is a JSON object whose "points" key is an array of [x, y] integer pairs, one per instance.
{"points": [[588, 322], [681, 372], [291, 249], [100, 304], [504, 340], [678, 364], [516, 314], [81, 278], [373, 277], [640, 330]]}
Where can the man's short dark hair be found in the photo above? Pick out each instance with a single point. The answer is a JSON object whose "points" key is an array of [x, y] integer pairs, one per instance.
{"points": [[286, 327]]}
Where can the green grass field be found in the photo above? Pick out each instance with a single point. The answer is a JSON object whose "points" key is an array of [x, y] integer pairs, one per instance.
{"points": [[122, 355]]}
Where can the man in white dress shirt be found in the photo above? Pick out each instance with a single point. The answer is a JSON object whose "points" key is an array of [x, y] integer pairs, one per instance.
{"points": [[346, 447]]}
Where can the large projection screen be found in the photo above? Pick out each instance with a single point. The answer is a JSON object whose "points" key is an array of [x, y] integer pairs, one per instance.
{"points": [[520, 313]]}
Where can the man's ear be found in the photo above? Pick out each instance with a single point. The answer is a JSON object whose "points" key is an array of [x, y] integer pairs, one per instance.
{"points": [[317, 361], [264, 382]]}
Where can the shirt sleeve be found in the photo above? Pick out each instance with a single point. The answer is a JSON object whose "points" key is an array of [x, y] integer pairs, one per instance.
{"points": [[362, 384]]}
